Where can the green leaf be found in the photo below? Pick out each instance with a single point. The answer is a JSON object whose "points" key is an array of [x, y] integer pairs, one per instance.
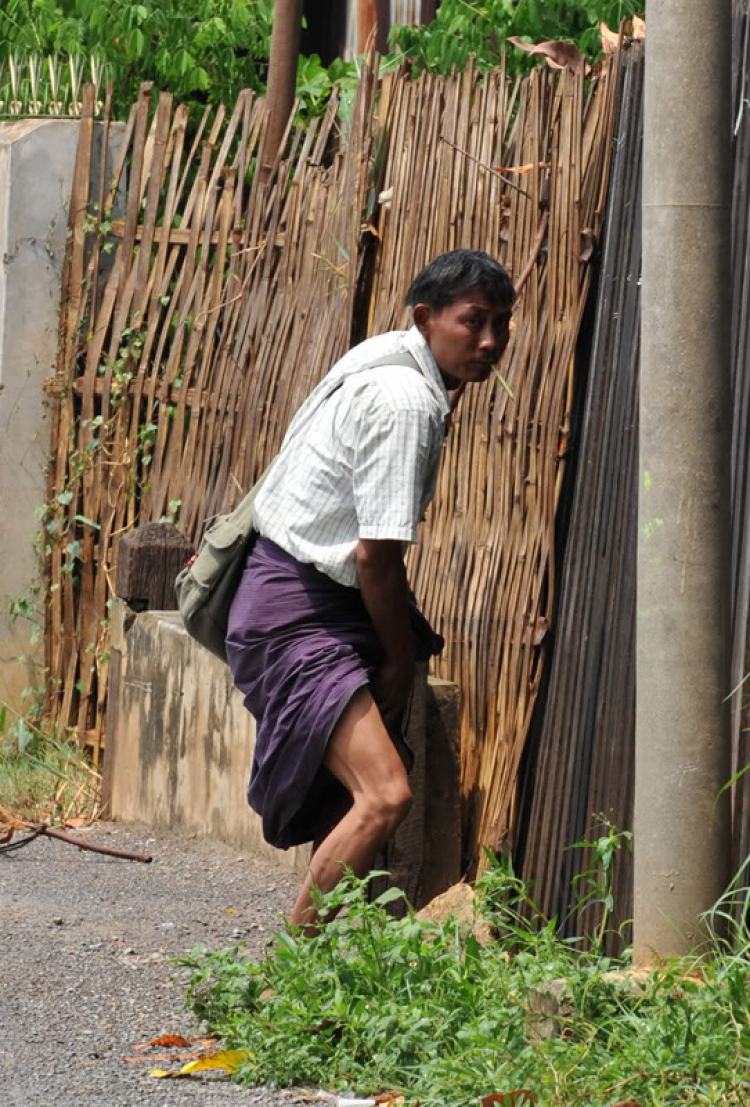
{"points": [[733, 779], [137, 43], [183, 62], [24, 736], [88, 522], [388, 896]]}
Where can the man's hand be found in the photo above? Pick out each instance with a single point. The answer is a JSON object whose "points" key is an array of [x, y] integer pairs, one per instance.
{"points": [[392, 688], [382, 581]]}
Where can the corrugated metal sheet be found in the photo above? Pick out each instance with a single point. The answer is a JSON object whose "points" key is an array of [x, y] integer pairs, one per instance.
{"points": [[579, 759], [579, 762], [741, 433]]}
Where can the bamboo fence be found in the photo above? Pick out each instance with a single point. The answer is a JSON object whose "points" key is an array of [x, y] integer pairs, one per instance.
{"points": [[160, 405], [484, 568], [200, 306]]}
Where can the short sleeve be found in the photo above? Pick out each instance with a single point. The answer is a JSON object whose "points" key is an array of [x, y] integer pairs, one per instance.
{"points": [[392, 460]]}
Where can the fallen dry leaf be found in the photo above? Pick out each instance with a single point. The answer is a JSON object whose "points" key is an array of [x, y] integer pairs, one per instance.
{"points": [[10, 819], [516, 168], [170, 1041], [149, 1058], [634, 30], [610, 39], [390, 1099], [558, 55], [520, 1097], [539, 630], [588, 245], [76, 823], [227, 1060]]}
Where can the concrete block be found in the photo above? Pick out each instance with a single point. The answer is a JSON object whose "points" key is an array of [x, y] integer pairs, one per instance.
{"points": [[37, 158]]}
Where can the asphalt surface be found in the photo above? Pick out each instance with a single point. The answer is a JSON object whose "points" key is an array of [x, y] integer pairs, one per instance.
{"points": [[86, 971]]}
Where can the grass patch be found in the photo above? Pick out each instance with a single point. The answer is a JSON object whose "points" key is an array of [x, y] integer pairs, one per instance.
{"points": [[375, 1004], [43, 778]]}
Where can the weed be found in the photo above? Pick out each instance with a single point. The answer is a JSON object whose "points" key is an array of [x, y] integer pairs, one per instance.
{"points": [[596, 883], [43, 777], [374, 1004]]}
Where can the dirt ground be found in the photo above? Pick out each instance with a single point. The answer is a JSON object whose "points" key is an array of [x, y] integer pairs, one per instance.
{"points": [[85, 963]]}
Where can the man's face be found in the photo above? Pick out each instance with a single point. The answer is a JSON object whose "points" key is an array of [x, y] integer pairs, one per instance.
{"points": [[467, 337]]}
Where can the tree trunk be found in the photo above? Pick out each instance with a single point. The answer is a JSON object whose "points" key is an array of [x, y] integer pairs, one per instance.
{"points": [[282, 77]]}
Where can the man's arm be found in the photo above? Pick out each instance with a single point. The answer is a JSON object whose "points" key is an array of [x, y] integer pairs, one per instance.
{"points": [[382, 581]]}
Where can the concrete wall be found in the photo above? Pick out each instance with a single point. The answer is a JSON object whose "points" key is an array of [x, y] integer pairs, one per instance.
{"points": [[179, 746], [179, 741], [37, 159]]}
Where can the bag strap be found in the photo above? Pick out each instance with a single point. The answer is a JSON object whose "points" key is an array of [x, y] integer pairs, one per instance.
{"points": [[402, 358]]}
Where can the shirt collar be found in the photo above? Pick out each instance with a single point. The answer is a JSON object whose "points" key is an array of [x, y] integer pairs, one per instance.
{"points": [[416, 344]]}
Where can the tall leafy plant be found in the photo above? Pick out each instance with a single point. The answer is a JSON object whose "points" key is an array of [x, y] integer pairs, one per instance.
{"points": [[462, 28], [198, 49]]}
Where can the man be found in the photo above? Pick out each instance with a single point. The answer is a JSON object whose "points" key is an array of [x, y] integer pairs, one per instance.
{"points": [[323, 636]]}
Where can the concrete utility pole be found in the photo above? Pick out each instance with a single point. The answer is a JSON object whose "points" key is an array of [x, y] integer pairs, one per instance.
{"points": [[282, 76], [681, 829]]}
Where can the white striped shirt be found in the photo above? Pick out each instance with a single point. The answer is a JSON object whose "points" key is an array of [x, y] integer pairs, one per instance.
{"points": [[360, 458]]}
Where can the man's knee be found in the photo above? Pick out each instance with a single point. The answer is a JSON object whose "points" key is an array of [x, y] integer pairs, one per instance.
{"points": [[388, 806], [399, 803]]}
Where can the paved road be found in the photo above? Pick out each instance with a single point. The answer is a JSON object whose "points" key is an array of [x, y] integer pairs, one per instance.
{"points": [[85, 972]]}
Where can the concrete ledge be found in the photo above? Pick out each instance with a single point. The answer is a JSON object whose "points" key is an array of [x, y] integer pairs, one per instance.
{"points": [[180, 743]]}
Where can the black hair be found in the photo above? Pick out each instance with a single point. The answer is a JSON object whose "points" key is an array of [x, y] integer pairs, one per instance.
{"points": [[457, 273]]}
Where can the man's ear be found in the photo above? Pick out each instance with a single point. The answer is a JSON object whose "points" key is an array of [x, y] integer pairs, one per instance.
{"points": [[422, 315]]}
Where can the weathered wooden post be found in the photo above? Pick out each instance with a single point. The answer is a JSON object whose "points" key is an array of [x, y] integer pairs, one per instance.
{"points": [[282, 77], [148, 560]]}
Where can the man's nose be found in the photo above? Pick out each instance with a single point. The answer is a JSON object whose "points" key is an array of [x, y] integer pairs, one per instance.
{"points": [[488, 338]]}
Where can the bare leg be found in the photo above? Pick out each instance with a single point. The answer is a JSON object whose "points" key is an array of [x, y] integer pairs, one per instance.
{"points": [[331, 823], [363, 757]]}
